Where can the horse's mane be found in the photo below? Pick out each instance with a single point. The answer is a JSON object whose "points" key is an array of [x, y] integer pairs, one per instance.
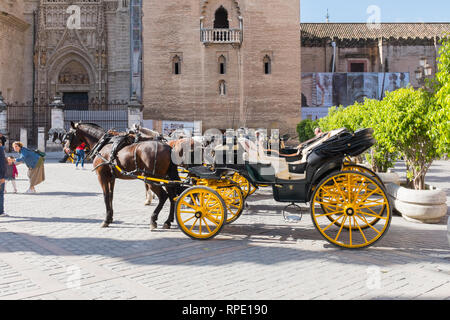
{"points": [[93, 129]]}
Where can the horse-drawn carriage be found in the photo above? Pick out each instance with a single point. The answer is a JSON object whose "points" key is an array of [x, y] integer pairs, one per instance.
{"points": [[349, 205]]}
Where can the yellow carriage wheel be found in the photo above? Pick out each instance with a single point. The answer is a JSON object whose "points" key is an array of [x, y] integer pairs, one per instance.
{"points": [[234, 201], [366, 186], [201, 212], [351, 209], [245, 185], [358, 168]]}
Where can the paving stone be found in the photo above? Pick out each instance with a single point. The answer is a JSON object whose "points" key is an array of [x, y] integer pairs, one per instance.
{"points": [[57, 250]]}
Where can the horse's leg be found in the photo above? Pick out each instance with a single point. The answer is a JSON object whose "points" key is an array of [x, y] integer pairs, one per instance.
{"points": [[148, 195], [107, 197], [172, 194], [162, 196], [111, 184]]}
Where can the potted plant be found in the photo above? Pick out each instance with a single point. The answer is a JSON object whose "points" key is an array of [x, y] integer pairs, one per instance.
{"points": [[409, 118]]}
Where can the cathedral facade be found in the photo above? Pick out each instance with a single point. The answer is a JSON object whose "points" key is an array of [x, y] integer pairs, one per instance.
{"points": [[80, 49]]}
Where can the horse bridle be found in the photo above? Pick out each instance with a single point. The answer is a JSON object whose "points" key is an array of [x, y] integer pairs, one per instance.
{"points": [[69, 137]]}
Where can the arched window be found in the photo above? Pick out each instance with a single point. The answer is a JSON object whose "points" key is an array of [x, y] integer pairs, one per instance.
{"points": [[222, 88], [176, 65], [221, 19], [267, 65], [222, 65]]}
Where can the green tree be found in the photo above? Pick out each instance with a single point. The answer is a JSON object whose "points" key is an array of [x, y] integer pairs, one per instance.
{"points": [[442, 89], [406, 126], [364, 115], [305, 129]]}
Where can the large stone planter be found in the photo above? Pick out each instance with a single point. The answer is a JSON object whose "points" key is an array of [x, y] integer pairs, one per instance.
{"points": [[448, 231], [422, 206], [389, 177]]}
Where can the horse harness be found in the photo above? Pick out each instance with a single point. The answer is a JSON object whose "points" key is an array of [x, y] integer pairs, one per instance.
{"points": [[117, 146]]}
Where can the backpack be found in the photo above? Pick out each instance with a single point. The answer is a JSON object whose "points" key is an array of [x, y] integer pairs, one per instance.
{"points": [[40, 153]]}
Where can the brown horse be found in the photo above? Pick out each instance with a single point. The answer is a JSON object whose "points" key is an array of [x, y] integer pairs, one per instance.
{"points": [[149, 158]]}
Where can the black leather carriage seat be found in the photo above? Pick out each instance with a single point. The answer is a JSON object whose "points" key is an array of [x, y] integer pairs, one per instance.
{"points": [[255, 154], [203, 172]]}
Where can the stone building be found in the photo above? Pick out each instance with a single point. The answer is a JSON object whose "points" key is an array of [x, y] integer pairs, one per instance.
{"points": [[359, 47], [344, 63], [226, 63], [13, 47], [78, 48], [220, 63], [88, 60]]}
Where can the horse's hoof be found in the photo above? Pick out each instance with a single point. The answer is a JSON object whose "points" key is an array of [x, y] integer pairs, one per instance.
{"points": [[147, 203], [105, 225], [153, 226], [166, 226]]}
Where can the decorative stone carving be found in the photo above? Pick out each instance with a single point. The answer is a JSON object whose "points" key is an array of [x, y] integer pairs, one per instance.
{"points": [[68, 57]]}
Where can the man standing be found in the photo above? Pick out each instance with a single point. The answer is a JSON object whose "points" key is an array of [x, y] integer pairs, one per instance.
{"points": [[317, 132], [2, 179]]}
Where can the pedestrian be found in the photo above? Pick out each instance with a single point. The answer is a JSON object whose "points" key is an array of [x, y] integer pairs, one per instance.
{"points": [[35, 163], [2, 139], [80, 155], [11, 173], [317, 132], [2, 180], [65, 158]]}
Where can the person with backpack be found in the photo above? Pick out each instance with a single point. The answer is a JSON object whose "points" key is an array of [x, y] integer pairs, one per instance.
{"points": [[2, 180], [80, 155], [35, 163]]}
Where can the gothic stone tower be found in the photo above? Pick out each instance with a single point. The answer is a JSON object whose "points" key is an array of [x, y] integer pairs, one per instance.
{"points": [[87, 58], [227, 63]]}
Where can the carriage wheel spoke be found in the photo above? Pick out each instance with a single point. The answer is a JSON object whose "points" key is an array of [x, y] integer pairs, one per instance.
{"points": [[360, 230], [350, 229], [188, 205], [184, 222], [340, 230], [192, 227], [333, 222], [329, 214], [375, 215], [339, 189], [193, 200], [365, 220], [213, 221], [207, 227]]}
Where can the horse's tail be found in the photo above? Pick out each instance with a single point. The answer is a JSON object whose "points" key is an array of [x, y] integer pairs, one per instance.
{"points": [[173, 172], [174, 176]]}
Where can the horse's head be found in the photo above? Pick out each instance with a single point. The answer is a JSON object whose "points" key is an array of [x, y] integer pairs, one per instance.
{"points": [[72, 139]]}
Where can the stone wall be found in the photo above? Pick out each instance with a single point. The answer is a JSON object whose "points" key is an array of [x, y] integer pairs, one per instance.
{"points": [[118, 26], [393, 58], [252, 98], [13, 29]]}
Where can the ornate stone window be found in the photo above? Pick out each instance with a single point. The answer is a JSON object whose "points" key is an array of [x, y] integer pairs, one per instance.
{"points": [[222, 65], [222, 88], [176, 65], [267, 62], [221, 19]]}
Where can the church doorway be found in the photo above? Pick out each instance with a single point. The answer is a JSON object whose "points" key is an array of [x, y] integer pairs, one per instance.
{"points": [[76, 100]]}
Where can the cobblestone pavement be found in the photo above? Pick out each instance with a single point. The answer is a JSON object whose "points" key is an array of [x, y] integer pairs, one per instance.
{"points": [[52, 247]]}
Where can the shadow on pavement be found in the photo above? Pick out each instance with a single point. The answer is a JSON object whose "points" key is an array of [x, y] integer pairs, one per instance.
{"points": [[261, 244], [67, 194]]}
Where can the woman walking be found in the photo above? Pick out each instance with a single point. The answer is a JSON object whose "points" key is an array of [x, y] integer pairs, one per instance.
{"points": [[34, 162], [11, 173], [80, 155]]}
